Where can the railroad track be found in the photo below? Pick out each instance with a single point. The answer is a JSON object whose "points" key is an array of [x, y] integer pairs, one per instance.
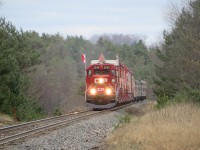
{"points": [[10, 130], [20, 131]]}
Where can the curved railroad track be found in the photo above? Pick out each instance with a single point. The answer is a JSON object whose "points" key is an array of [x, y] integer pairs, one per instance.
{"points": [[20, 131]]}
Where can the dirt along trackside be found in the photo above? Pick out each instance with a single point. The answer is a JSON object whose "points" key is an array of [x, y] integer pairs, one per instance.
{"points": [[139, 109]]}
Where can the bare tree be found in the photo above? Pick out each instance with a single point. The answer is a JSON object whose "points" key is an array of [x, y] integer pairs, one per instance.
{"points": [[173, 11]]}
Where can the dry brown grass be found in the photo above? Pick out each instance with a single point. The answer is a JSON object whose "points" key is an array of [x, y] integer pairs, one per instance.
{"points": [[141, 109], [173, 128], [5, 120]]}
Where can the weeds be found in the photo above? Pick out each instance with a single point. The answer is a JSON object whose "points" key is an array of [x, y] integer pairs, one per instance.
{"points": [[123, 119], [57, 112]]}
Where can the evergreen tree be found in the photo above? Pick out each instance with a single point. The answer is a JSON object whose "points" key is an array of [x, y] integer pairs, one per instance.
{"points": [[181, 54], [16, 57]]}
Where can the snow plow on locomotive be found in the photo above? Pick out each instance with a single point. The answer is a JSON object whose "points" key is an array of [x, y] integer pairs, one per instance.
{"points": [[108, 83]]}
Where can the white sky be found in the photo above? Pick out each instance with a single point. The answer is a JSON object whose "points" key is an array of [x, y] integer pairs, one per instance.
{"points": [[88, 17]]}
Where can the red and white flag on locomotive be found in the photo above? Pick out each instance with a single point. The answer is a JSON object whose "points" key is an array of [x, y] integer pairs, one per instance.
{"points": [[83, 58]]}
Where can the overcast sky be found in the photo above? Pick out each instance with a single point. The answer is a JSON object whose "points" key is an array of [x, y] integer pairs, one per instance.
{"points": [[88, 17]]}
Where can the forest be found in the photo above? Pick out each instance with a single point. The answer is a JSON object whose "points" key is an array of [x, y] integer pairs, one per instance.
{"points": [[42, 74]]}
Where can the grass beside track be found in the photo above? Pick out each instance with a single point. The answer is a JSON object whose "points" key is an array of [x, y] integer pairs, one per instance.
{"points": [[5, 120], [172, 128]]}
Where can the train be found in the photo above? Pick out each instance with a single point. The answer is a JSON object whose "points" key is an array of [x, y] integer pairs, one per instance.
{"points": [[109, 83]]}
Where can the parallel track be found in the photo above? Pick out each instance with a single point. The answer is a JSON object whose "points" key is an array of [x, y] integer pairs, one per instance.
{"points": [[13, 133], [6, 131]]}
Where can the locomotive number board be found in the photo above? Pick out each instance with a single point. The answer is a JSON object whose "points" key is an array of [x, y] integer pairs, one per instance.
{"points": [[95, 67], [106, 67]]}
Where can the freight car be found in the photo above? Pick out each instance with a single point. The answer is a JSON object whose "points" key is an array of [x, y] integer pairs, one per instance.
{"points": [[109, 82]]}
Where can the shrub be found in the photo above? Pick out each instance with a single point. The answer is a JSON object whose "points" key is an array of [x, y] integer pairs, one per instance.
{"points": [[186, 95], [57, 112], [123, 119], [29, 110], [162, 101]]}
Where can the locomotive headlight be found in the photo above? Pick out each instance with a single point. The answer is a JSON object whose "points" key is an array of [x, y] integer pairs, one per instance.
{"points": [[93, 91], [101, 80], [108, 91]]}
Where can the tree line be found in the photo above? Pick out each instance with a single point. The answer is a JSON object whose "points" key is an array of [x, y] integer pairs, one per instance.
{"points": [[178, 76]]}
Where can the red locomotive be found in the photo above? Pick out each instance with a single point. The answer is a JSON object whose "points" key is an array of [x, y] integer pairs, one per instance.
{"points": [[109, 82]]}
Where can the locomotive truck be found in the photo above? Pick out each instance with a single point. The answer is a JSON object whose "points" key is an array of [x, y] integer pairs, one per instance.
{"points": [[109, 82]]}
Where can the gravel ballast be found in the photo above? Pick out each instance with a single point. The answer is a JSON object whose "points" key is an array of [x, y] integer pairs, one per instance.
{"points": [[85, 135]]}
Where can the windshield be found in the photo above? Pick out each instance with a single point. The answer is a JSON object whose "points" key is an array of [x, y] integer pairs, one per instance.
{"points": [[101, 72]]}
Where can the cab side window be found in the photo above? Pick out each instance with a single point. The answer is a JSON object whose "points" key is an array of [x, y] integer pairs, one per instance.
{"points": [[89, 73], [113, 72]]}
